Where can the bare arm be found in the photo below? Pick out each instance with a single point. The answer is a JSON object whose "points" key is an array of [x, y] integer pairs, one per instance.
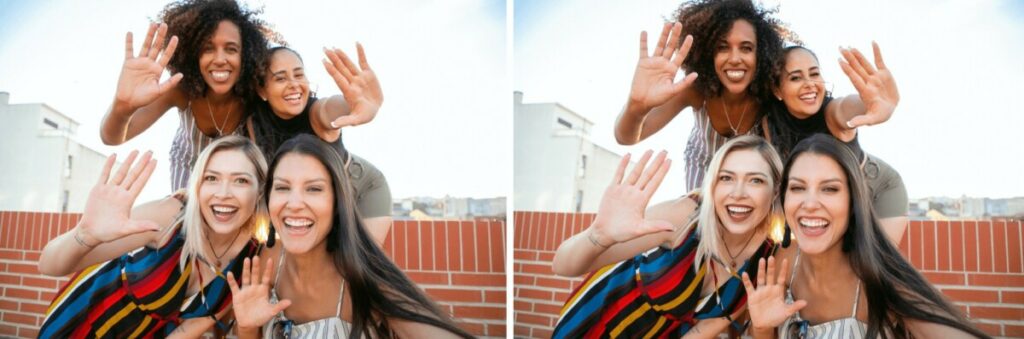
{"points": [[654, 97], [362, 95], [106, 230], [141, 98]]}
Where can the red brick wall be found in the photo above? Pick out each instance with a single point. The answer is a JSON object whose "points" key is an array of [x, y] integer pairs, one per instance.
{"points": [[461, 264], [979, 265]]}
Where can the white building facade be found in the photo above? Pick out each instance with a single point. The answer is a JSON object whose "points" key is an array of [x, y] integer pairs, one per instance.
{"points": [[43, 168], [557, 168]]}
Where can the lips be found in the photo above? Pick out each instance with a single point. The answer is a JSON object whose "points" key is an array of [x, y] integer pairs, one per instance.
{"points": [[735, 75], [738, 213], [294, 98], [220, 75], [297, 225], [813, 226], [224, 213]]}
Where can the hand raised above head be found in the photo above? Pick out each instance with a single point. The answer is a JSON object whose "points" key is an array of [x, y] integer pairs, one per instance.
{"points": [[621, 214], [139, 83], [108, 209], [877, 87], [654, 77], [358, 84]]}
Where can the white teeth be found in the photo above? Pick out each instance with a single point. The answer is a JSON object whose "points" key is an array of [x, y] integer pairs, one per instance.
{"points": [[735, 75], [738, 209], [297, 222], [295, 96], [224, 209], [220, 75], [813, 222], [809, 96]]}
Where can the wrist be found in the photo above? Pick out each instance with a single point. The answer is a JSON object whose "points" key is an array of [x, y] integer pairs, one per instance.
{"points": [[83, 239], [598, 238]]}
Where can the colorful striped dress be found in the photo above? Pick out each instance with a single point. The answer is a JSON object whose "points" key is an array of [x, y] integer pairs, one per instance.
{"points": [[655, 294], [140, 294]]}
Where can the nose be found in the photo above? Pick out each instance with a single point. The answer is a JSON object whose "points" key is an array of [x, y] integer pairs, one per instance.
{"points": [[738, 190], [810, 201], [734, 56], [223, 190], [294, 200]]}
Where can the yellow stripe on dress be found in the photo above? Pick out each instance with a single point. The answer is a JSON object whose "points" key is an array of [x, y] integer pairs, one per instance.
{"points": [[86, 273], [655, 329], [142, 327], [686, 294], [102, 331], [172, 292], [586, 286], [629, 320]]}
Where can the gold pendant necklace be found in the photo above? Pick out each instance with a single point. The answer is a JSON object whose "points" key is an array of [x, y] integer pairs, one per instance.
{"points": [[220, 131]]}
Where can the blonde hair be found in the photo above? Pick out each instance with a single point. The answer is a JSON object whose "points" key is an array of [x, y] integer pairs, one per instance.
{"points": [[711, 244], [192, 217]]}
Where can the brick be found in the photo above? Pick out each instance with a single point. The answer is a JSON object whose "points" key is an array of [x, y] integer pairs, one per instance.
{"points": [[939, 278], [1004, 313], [542, 333], [985, 247], [11, 317], [401, 250], [412, 246], [554, 283], [442, 294], [525, 255], [916, 246], [426, 241], [483, 246], [496, 330], [537, 269], [8, 330], [529, 293], [428, 278], [929, 257], [454, 248], [990, 329], [21, 293], [943, 246], [971, 246], [521, 331], [441, 245], [23, 268], [479, 312], [10, 279], [49, 283], [522, 306], [473, 328], [1014, 248], [969, 295], [957, 249], [7, 305], [523, 280], [495, 297], [35, 308], [32, 256], [999, 280], [526, 318], [1011, 297], [11, 255], [554, 310], [999, 247], [497, 251], [47, 296], [1016, 331], [546, 256], [25, 332], [473, 279]]}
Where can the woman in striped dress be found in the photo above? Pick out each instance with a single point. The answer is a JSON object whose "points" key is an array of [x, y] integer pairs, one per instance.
{"points": [[158, 270], [847, 281], [690, 286]]}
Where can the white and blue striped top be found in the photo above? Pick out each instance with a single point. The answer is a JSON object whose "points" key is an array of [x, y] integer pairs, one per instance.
{"points": [[704, 142], [848, 327], [189, 141]]}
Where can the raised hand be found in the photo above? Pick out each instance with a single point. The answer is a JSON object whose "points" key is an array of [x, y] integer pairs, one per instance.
{"points": [[251, 301], [877, 88], [621, 214], [359, 85], [139, 83], [108, 209], [766, 302], [653, 79]]}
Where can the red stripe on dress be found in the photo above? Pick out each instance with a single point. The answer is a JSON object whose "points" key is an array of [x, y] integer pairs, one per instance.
{"points": [[157, 278], [664, 284], [96, 311]]}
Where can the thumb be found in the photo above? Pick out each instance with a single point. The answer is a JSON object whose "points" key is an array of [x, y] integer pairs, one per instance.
{"points": [[345, 121], [281, 305], [795, 306], [170, 83], [860, 120], [683, 84]]}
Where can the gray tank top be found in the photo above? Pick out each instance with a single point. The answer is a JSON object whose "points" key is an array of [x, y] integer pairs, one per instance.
{"points": [[189, 141]]}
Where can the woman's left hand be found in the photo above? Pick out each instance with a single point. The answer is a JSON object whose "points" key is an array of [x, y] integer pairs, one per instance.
{"points": [[876, 87], [766, 301], [358, 84], [251, 300]]}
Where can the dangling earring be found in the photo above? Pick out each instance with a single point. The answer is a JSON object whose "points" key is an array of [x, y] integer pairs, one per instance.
{"points": [[271, 237], [785, 237]]}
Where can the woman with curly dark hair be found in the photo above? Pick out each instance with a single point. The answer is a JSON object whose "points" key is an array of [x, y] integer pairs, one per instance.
{"points": [[214, 77], [736, 47]]}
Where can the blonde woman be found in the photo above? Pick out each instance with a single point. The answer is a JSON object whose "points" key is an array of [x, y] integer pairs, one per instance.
{"points": [[157, 270], [689, 286]]}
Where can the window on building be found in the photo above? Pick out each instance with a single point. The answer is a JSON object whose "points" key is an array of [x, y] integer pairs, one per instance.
{"points": [[579, 201], [565, 123], [64, 201], [50, 123], [67, 169], [583, 166]]}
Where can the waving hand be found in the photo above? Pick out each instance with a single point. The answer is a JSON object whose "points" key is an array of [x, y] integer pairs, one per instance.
{"points": [[139, 83], [359, 85], [876, 87]]}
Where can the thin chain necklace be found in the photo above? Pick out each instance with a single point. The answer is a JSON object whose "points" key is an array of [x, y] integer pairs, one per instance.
{"points": [[727, 118], [732, 258], [220, 131], [231, 244]]}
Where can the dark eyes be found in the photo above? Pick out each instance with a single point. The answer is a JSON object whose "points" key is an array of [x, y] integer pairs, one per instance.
{"points": [[241, 181], [757, 180], [796, 188], [725, 178], [210, 178], [283, 188]]}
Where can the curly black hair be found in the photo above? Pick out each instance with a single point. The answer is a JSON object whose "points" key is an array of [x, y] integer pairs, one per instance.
{"points": [[708, 21], [194, 21]]}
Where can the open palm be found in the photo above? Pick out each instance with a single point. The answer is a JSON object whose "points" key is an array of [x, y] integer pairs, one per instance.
{"points": [[766, 302], [654, 77], [358, 84], [139, 83], [877, 87], [251, 300], [107, 214], [620, 216]]}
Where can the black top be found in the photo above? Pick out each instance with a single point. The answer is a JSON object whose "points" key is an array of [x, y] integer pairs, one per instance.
{"points": [[272, 131], [786, 130]]}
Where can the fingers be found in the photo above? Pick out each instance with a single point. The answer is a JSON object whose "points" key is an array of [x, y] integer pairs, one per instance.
{"points": [[619, 172], [232, 285], [146, 44], [140, 183], [649, 172], [681, 54], [878, 56], [771, 271], [673, 41], [643, 44], [362, 57], [158, 44], [336, 66], [136, 169], [657, 179], [105, 175], [170, 83], [660, 47], [165, 57], [245, 272], [281, 305], [747, 285], [254, 275], [268, 273], [781, 280], [760, 272], [635, 174], [796, 306], [129, 51], [121, 172], [352, 68], [861, 120], [864, 63], [350, 120], [339, 78], [855, 78]]}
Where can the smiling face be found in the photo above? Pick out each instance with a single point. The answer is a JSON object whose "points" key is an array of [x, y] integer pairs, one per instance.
{"points": [[736, 57], [221, 59], [301, 203], [802, 87], [285, 88], [743, 191], [817, 202], [228, 191]]}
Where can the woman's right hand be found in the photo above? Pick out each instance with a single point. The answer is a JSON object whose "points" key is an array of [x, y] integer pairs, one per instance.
{"points": [[108, 209], [766, 301], [139, 83], [620, 216], [251, 301], [653, 80]]}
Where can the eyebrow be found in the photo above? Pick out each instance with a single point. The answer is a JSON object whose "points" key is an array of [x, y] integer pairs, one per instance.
{"points": [[232, 173], [800, 70], [791, 179], [277, 178], [296, 69], [748, 173]]}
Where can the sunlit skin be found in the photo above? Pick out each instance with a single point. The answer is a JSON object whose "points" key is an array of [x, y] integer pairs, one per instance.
{"points": [[817, 203], [221, 59], [228, 192], [286, 88], [301, 203], [736, 58], [743, 193], [802, 87]]}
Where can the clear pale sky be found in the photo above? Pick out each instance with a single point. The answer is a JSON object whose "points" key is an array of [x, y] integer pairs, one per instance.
{"points": [[958, 127], [442, 64]]}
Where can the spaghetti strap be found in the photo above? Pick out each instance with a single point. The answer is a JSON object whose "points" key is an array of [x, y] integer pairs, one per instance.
{"points": [[341, 298], [792, 275], [856, 300], [280, 267]]}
